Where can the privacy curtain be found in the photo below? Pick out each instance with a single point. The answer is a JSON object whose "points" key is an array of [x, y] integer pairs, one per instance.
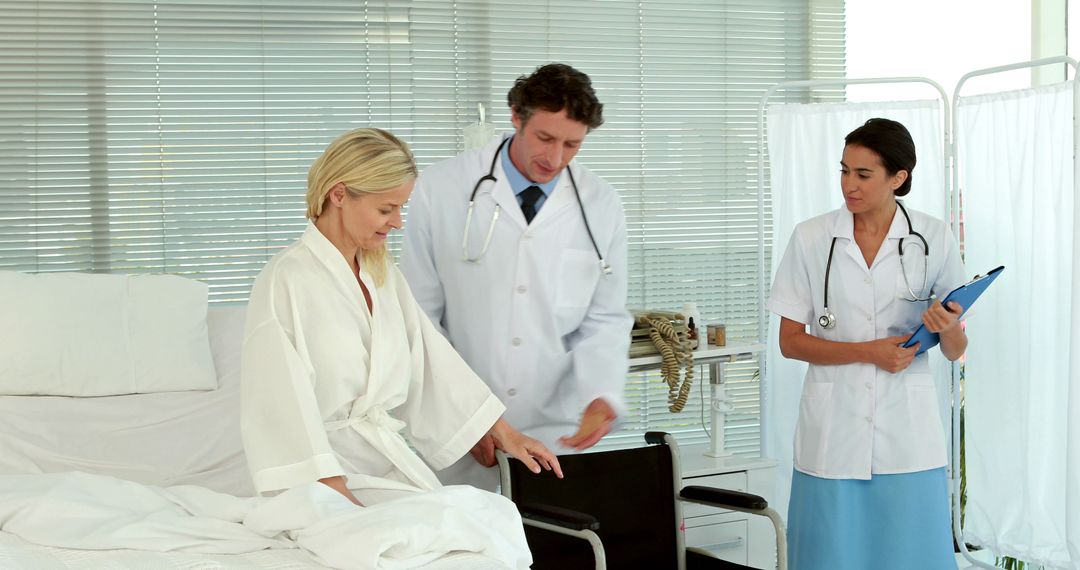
{"points": [[806, 143], [1015, 161]]}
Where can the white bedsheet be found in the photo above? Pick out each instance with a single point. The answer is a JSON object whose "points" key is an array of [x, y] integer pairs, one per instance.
{"points": [[165, 439], [168, 453], [93, 512], [17, 554]]}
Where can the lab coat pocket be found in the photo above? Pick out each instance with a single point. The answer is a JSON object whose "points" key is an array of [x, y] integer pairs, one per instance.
{"points": [[577, 278], [815, 423], [919, 371], [924, 416]]}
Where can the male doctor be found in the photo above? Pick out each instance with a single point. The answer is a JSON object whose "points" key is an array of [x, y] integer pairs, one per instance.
{"points": [[519, 254]]}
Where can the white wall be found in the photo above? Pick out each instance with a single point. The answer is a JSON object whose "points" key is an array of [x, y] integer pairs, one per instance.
{"points": [[937, 39]]}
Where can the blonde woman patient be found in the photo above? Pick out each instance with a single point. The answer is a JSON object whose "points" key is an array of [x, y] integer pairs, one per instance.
{"points": [[342, 370]]}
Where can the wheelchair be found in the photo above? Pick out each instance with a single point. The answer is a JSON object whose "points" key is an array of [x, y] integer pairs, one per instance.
{"points": [[621, 509]]}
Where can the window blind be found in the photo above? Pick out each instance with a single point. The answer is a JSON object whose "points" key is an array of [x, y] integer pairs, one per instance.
{"points": [[141, 136]]}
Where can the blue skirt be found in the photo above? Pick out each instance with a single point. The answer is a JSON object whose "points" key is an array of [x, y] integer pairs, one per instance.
{"points": [[899, 522]]}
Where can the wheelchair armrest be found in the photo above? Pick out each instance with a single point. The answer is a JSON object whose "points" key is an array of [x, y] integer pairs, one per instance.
{"points": [[744, 502], [655, 437], [723, 498], [565, 518]]}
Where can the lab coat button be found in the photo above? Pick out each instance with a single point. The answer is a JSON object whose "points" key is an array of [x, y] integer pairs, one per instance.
{"points": [[869, 317], [522, 289], [869, 419], [869, 280], [511, 392], [516, 341]]}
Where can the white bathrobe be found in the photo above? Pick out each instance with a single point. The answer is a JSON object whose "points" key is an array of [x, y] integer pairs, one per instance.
{"points": [[328, 386], [330, 389]]}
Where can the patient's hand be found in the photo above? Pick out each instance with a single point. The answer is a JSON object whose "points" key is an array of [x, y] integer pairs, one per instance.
{"points": [[526, 449], [484, 451], [595, 424], [338, 484]]}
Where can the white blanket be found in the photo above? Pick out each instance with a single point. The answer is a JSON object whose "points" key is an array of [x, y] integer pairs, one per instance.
{"points": [[93, 512]]}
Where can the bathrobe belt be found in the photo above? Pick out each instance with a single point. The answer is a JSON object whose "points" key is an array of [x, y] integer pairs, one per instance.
{"points": [[382, 432]]}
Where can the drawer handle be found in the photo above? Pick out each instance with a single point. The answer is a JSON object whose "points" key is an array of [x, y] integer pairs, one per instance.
{"points": [[726, 544]]}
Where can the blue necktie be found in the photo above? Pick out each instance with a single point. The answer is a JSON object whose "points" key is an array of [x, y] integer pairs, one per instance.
{"points": [[529, 196]]}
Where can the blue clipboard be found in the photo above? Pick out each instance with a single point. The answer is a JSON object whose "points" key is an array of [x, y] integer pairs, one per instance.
{"points": [[966, 295]]}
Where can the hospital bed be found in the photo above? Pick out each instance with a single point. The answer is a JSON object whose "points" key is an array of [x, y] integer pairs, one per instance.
{"points": [[17, 554], [188, 438]]}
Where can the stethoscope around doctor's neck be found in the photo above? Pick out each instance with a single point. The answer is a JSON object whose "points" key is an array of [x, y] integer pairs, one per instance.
{"points": [[828, 320], [490, 176]]}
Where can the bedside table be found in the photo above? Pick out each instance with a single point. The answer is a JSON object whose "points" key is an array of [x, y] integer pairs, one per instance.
{"points": [[731, 535]]}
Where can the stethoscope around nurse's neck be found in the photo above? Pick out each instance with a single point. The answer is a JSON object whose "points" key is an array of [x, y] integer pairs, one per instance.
{"points": [[490, 176], [828, 320]]}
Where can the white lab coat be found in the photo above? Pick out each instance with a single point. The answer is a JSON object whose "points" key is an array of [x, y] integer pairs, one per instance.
{"points": [[856, 419], [535, 317], [328, 386]]}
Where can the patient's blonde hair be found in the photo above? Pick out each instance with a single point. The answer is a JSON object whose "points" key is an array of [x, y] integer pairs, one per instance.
{"points": [[368, 161]]}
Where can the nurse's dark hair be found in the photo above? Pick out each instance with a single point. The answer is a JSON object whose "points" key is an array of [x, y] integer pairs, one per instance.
{"points": [[553, 88], [892, 142]]}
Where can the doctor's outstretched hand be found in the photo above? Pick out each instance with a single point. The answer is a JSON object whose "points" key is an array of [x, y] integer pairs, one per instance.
{"points": [[595, 424], [524, 448]]}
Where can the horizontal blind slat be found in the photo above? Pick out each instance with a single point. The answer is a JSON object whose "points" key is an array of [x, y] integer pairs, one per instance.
{"points": [[141, 136]]}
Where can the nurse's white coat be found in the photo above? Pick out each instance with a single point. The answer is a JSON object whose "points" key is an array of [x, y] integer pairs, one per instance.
{"points": [[856, 419]]}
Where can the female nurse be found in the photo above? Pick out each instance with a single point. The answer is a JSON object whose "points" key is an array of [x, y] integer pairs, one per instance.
{"points": [[869, 488]]}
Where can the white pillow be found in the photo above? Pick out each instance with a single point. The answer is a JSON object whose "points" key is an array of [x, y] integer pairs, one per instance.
{"points": [[79, 334]]}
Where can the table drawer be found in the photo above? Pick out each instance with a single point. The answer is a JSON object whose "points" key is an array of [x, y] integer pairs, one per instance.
{"points": [[727, 540], [727, 481]]}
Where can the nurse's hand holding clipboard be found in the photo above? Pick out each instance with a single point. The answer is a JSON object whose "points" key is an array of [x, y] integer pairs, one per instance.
{"points": [[940, 323], [888, 354], [937, 319], [945, 321]]}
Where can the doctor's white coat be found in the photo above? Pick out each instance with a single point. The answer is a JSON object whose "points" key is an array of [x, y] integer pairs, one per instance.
{"points": [[535, 318]]}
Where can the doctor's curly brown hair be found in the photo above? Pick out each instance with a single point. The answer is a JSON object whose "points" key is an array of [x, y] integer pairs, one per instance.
{"points": [[554, 87]]}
